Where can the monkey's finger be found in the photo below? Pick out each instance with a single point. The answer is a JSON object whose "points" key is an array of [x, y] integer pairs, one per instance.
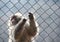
{"points": [[24, 20], [30, 16], [30, 13]]}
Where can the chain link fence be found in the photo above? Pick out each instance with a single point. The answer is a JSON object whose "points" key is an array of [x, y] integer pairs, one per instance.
{"points": [[47, 13]]}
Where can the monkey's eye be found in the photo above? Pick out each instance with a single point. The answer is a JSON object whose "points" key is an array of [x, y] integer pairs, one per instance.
{"points": [[13, 17]]}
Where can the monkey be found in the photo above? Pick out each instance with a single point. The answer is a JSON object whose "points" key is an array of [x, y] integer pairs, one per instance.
{"points": [[21, 29]]}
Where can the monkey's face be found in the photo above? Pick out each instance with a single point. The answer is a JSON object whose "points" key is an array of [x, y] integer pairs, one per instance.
{"points": [[15, 19]]}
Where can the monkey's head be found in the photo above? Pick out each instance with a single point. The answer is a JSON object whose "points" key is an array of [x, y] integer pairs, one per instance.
{"points": [[15, 19]]}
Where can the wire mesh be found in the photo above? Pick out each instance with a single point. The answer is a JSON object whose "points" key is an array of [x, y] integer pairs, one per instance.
{"points": [[47, 13]]}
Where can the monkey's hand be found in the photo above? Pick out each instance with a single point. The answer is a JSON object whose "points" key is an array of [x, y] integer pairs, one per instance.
{"points": [[20, 25], [32, 29], [24, 20], [31, 16], [19, 29]]}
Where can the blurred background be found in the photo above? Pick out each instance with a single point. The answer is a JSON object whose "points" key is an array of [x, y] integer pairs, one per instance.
{"points": [[47, 14]]}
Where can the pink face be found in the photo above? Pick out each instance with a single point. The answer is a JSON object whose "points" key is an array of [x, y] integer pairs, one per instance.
{"points": [[15, 19]]}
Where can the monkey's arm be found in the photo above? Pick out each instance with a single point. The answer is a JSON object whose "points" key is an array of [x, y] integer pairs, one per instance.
{"points": [[19, 28], [32, 29]]}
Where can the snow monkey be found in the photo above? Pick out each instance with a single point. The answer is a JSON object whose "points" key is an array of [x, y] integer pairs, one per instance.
{"points": [[22, 29]]}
